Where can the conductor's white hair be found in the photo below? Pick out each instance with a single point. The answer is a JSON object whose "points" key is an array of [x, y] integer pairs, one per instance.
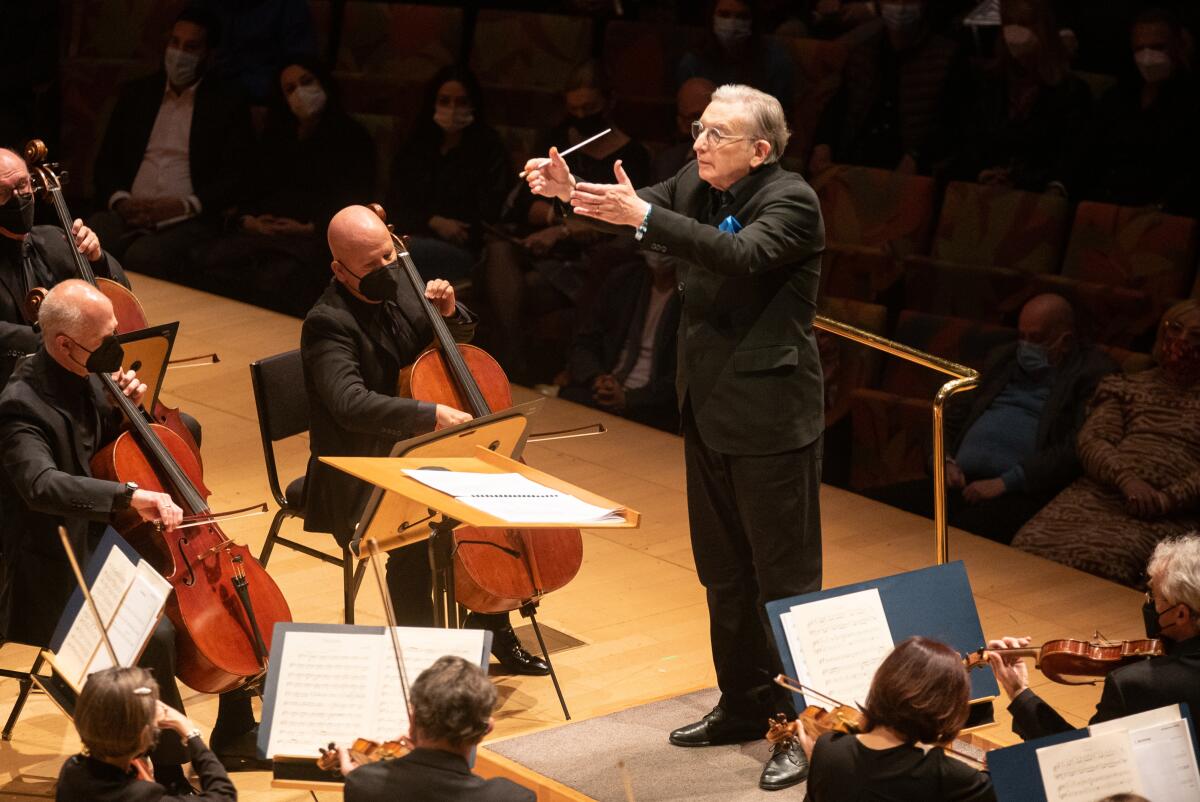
{"points": [[60, 313], [1176, 564], [764, 115]]}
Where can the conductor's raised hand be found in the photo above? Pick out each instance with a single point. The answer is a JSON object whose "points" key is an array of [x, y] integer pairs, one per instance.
{"points": [[550, 178], [617, 203], [441, 293]]}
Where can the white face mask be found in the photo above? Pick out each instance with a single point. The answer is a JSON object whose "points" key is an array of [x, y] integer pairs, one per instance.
{"points": [[453, 119], [1154, 65], [731, 31], [182, 68], [900, 16], [307, 100], [1021, 41]]}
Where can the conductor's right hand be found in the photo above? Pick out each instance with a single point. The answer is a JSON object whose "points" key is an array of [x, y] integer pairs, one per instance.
{"points": [[449, 416], [157, 506], [550, 178]]}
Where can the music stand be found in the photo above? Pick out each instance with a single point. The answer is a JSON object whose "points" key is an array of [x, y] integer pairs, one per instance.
{"points": [[147, 352]]}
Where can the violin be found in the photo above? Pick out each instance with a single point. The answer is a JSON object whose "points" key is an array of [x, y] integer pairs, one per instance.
{"points": [[1060, 659], [49, 180], [364, 751]]}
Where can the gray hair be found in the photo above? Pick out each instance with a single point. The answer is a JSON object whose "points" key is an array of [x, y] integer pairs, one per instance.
{"points": [[1176, 564], [59, 313], [452, 701], [764, 115]]}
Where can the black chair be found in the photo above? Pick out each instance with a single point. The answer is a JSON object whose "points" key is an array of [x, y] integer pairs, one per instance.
{"points": [[25, 680], [283, 412]]}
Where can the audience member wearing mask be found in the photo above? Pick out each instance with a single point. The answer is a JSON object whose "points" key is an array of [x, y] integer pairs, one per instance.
{"points": [[690, 102], [173, 157], [893, 108], [559, 263], [313, 160], [733, 52], [1028, 112], [450, 177], [1012, 442], [1141, 148], [623, 358], [1140, 450]]}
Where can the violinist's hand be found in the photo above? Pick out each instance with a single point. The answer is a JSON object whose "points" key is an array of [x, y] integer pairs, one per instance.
{"points": [[617, 203], [1011, 671], [449, 416], [155, 506], [86, 241], [133, 389], [550, 178], [346, 763], [441, 293], [806, 741], [171, 719]]}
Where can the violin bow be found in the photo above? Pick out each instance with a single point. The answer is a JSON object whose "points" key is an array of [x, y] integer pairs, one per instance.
{"points": [[87, 595], [796, 686], [390, 614]]}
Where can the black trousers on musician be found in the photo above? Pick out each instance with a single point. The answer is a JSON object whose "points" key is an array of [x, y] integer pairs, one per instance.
{"points": [[756, 537], [409, 579]]}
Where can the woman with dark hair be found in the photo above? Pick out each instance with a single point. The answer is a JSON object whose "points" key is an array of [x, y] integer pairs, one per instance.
{"points": [[734, 52], [313, 160], [450, 177], [918, 701]]}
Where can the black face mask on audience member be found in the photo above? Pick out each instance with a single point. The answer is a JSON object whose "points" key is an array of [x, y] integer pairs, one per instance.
{"points": [[16, 216], [380, 284], [589, 125]]}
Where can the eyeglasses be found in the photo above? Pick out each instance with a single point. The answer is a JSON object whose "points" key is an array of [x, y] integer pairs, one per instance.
{"points": [[714, 138]]}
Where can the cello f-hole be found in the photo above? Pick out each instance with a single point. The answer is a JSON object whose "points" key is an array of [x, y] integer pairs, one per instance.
{"points": [[191, 574]]}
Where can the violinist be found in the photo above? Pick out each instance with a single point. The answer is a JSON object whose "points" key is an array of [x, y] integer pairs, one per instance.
{"points": [[362, 331], [55, 415], [450, 712], [1171, 613], [119, 718], [918, 701]]}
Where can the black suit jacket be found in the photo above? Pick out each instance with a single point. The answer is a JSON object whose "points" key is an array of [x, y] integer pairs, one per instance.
{"points": [[429, 775], [221, 137], [49, 245], [85, 779], [1135, 688], [748, 361], [351, 369], [1054, 463], [47, 482]]}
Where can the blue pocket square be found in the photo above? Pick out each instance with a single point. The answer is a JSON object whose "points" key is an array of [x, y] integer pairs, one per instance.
{"points": [[730, 225]]}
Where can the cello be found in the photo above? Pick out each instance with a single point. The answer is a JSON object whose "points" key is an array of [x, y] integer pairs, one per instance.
{"points": [[48, 180], [225, 605]]}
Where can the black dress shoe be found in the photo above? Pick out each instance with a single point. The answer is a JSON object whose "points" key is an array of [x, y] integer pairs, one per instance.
{"points": [[717, 728], [513, 656], [787, 766], [239, 752]]}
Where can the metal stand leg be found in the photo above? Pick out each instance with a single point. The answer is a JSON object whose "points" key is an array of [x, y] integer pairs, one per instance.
{"points": [[26, 685], [528, 611], [441, 562]]}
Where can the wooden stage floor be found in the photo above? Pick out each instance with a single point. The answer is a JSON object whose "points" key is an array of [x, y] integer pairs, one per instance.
{"points": [[636, 604]]}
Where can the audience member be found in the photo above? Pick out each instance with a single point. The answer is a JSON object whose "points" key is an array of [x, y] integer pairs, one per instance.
{"points": [[1027, 113], [259, 36], [313, 160], [1013, 448], [450, 177], [690, 102], [172, 158], [450, 712], [735, 52], [1141, 147], [896, 96], [828, 19], [623, 359], [1172, 614], [917, 703], [1140, 450], [119, 718], [558, 266]]}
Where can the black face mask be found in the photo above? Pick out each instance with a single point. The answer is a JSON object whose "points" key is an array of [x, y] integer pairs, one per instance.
{"points": [[589, 125], [380, 284], [16, 216], [1153, 620], [106, 358]]}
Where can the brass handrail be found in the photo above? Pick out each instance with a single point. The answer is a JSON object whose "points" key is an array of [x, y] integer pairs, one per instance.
{"points": [[963, 378]]}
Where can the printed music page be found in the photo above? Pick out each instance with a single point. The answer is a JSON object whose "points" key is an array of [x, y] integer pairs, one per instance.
{"points": [[1089, 769], [1160, 715], [513, 497], [1166, 759], [842, 641]]}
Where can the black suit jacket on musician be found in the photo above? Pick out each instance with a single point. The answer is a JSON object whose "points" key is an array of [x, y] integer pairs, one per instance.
{"points": [[1135, 688], [351, 368], [218, 148], [747, 357], [429, 775], [46, 483], [49, 246]]}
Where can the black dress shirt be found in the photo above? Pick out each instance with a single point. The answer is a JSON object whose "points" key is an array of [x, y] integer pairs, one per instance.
{"points": [[85, 779]]}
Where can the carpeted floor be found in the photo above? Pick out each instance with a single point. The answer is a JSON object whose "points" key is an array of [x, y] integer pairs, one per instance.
{"points": [[585, 755]]}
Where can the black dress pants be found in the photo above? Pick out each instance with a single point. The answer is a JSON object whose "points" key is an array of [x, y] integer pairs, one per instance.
{"points": [[756, 537], [410, 584]]}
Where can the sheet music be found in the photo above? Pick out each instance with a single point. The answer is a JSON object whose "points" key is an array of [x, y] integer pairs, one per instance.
{"points": [[338, 686], [802, 673], [1166, 760], [843, 640], [1089, 768], [513, 497], [1137, 721]]}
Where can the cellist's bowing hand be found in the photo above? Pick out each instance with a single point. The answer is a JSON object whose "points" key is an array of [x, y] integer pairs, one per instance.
{"points": [[155, 506], [449, 416], [617, 203], [441, 293], [1011, 671], [133, 389], [550, 177], [86, 241]]}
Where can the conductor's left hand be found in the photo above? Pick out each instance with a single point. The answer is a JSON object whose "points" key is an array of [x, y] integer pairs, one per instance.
{"points": [[86, 241], [441, 293], [617, 203]]}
